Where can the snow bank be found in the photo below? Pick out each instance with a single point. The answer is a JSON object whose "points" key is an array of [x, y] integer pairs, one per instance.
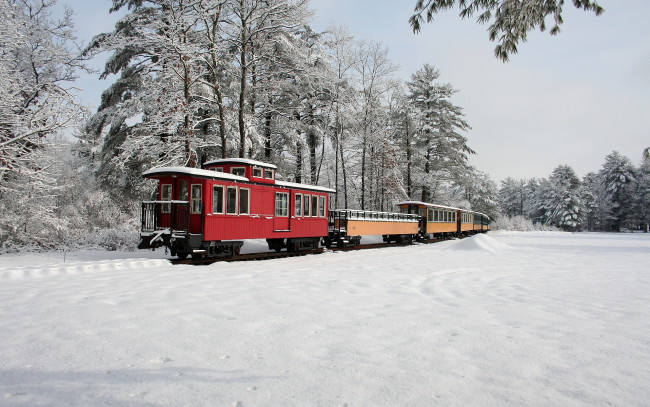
{"points": [[479, 242]]}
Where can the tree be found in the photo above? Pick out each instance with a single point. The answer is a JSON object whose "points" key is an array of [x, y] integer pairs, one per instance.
{"points": [[39, 62], [510, 20], [595, 202], [37, 67], [642, 207], [512, 196], [374, 80], [563, 205], [442, 150], [617, 178]]}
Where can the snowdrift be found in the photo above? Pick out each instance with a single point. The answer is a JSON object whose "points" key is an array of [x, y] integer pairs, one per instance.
{"points": [[480, 242]]}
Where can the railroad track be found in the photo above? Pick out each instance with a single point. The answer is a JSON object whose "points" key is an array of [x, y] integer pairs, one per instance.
{"points": [[282, 255]]}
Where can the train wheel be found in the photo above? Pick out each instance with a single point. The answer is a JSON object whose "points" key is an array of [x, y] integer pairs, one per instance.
{"points": [[181, 256]]}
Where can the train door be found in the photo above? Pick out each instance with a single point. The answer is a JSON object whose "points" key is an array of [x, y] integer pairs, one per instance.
{"points": [[196, 206], [281, 218]]}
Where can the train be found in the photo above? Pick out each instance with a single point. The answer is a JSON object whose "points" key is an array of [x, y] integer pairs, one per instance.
{"points": [[210, 212]]}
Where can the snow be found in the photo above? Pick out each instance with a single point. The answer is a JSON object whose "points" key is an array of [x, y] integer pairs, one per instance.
{"points": [[528, 318], [194, 172]]}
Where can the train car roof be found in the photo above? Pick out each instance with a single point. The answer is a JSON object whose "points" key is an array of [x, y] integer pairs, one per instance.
{"points": [[196, 172], [304, 186], [244, 161], [439, 206], [429, 204]]}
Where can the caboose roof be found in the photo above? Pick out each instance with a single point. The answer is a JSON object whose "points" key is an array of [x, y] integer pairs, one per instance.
{"points": [[196, 172], [244, 161], [294, 185]]}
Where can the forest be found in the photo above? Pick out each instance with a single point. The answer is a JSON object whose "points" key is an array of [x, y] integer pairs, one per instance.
{"points": [[202, 79]]}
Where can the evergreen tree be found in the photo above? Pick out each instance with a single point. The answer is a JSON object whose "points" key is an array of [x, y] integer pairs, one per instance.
{"points": [[510, 20], [563, 205], [512, 196], [617, 178], [442, 150]]}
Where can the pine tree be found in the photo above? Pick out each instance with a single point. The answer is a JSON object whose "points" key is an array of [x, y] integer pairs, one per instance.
{"points": [[510, 20], [563, 205], [442, 150], [617, 177]]}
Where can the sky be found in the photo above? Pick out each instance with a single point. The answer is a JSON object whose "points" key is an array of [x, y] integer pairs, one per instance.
{"points": [[569, 99]]}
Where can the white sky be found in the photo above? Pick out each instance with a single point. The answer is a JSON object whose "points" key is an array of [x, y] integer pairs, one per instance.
{"points": [[568, 99]]}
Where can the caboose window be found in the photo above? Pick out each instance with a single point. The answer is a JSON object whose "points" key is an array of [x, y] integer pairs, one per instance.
{"points": [[314, 205], [298, 205], [217, 199], [305, 206], [241, 171], [268, 174], [182, 195], [257, 172], [196, 198], [231, 201], [166, 195], [281, 204], [244, 201], [322, 207]]}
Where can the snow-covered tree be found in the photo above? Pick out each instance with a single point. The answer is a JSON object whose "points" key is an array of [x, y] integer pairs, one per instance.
{"points": [[373, 79], [642, 199], [563, 205], [39, 61], [595, 202], [442, 150], [617, 178], [512, 196], [510, 20]]}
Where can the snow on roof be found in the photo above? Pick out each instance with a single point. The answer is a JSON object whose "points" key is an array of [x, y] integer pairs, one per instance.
{"points": [[193, 171], [304, 186], [439, 206], [429, 204], [245, 161]]}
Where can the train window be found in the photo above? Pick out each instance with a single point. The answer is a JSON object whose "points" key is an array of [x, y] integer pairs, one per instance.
{"points": [[430, 218], [196, 198], [321, 207], [305, 206], [314, 205], [257, 172], [166, 195], [231, 201], [297, 211], [217, 199], [241, 171], [281, 204], [268, 174], [182, 193], [244, 201]]}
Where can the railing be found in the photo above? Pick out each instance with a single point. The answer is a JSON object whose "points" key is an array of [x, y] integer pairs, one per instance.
{"points": [[172, 215], [345, 214]]}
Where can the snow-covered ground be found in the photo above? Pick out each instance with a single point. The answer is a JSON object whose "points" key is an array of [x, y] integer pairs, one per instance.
{"points": [[534, 319]]}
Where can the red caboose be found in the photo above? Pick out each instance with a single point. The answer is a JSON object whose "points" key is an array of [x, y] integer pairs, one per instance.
{"points": [[210, 211]]}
